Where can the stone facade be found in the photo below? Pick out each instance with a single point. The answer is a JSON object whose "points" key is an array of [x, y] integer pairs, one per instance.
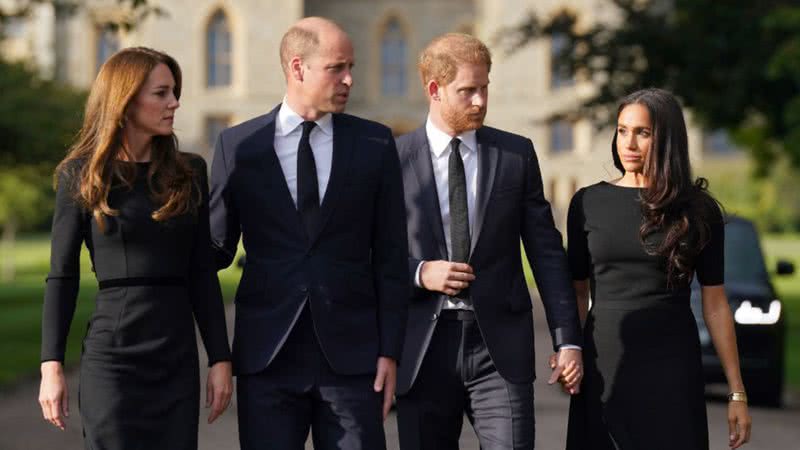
{"points": [[524, 95]]}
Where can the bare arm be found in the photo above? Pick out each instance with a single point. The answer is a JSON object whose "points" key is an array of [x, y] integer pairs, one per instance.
{"points": [[582, 297], [719, 320]]}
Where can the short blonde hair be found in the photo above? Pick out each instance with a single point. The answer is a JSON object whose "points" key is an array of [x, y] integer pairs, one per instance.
{"points": [[440, 59], [298, 41]]}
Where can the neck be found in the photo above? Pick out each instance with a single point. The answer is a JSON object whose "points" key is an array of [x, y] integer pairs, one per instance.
{"points": [[137, 145], [438, 122], [633, 179], [305, 111]]}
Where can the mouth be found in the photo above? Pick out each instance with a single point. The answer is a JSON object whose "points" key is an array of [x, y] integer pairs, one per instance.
{"points": [[631, 158]]}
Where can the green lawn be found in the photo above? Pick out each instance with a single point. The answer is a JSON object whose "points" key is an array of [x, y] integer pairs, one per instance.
{"points": [[21, 300], [21, 308]]}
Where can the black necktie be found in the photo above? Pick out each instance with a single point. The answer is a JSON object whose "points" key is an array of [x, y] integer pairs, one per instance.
{"points": [[307, 185], [459, 217]]}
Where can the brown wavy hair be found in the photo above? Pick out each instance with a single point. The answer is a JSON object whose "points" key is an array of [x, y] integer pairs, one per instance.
{"points": [[102, 156], [673, 203]]}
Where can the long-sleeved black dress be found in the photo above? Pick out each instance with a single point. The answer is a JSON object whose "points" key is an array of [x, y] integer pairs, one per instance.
{"points": [[139, 374], [643, 381]]}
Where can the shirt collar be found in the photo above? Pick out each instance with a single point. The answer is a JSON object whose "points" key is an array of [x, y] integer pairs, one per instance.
{"points": [[288, 121], [439, 141]]}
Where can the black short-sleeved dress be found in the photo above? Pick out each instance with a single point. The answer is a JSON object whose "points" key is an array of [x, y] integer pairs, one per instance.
{"points": [[139, 374], [643, 383]]}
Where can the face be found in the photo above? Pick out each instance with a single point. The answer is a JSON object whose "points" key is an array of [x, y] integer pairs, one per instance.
{"points": [[327, 74], [152, 111], [634, 137], [463, 102]]}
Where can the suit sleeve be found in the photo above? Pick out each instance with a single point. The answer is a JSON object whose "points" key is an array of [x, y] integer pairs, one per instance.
{"points": [[224, 216], [547, 258], [390, 255], [204, 290], [70, 222]]}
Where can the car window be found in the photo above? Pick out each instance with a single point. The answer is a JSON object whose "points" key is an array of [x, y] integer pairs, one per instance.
{"points": [[743, 258]]}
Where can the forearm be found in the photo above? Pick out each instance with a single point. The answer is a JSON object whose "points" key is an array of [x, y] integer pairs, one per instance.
{"points": [[719, 322], [582, 299]]}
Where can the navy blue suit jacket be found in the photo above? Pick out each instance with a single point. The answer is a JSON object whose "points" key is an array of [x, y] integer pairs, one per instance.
{"points": [[352, 269], [510, 206]]}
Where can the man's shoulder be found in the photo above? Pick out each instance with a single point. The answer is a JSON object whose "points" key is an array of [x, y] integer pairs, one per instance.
{"points": [[249, 126], [506, 139], [362, 125]]}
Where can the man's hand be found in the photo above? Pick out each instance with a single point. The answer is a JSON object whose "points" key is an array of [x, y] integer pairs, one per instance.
{"points": [[53, 395], [219, 388], [567, 367], [386, 381], [446, 277]]}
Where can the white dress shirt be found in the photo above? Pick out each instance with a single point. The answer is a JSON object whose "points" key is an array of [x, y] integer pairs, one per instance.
{"points": [[439, 145], [288, 131]]}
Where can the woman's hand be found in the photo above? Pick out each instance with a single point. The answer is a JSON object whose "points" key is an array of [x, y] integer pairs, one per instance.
{"points": [[53, 395], [219, 387], [739, 423]]}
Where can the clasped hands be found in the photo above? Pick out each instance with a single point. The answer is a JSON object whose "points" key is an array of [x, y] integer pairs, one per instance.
{"points": [[450, 278]]}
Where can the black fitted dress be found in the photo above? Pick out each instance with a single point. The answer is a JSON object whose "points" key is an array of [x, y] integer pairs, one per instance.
{"points": [[139, 374], [643, 382]]}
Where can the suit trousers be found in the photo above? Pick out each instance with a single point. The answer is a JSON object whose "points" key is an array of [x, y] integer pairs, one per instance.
{"points": [[458, 377], [299, 391]]}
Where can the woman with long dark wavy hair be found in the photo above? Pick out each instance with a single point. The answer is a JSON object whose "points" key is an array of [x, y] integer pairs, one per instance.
{"points": [[141, 208], [635, 244]]}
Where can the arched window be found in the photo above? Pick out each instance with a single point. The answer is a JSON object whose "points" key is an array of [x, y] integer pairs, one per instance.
{"points": [[218, 51], [393, 60], [107, 44]]}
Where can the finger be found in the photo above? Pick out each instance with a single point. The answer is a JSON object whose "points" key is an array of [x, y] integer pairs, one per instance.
{"points": [[733, 434], [461, 267], [747, 428], [65, 404], [555, 375], [387, 403], [380, 379], [455, 284], [217, 406], [55, 410], [451, 292]]}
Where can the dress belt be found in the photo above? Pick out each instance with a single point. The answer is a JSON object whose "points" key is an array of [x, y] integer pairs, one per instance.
{"points": [[142, 281]]}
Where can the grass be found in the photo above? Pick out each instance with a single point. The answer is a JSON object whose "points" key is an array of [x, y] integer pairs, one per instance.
{"points": [[788, 287], [21, 306]]}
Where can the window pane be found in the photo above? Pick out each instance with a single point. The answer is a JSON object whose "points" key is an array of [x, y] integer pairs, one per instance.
{"points": [[218, 51], [107, 45], [214, 126], [393, 60], [559, 76], [560, 136]]}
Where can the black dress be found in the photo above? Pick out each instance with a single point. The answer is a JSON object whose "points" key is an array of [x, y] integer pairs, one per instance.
{"points": [[643, 382], [139, 375]]}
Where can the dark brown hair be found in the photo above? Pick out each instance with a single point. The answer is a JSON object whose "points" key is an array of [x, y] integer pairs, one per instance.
{"points": [[99, 142], [673, 203]]}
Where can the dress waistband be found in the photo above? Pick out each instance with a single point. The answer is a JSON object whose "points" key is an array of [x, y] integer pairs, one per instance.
{"points": [[142, 281]]}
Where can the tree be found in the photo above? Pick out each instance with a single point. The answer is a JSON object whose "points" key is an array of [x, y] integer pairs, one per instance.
{"points": [[736, 64], [38, 120], [137, 10]]}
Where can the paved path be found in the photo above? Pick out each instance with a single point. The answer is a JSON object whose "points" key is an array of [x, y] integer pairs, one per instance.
{"points": [[22, 428]]}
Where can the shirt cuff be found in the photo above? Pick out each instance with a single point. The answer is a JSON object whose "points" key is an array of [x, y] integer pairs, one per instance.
{"points": [[570, 347], [418, 274]]}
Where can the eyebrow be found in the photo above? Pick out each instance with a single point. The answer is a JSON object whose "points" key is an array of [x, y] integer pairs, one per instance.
{"points": [[163, 86]]}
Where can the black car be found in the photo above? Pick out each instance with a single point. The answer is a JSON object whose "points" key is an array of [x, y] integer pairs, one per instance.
{"points": [[759, 316]]}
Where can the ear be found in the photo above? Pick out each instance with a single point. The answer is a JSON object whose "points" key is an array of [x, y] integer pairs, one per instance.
{"points": [[296, 68], [433, 90]]}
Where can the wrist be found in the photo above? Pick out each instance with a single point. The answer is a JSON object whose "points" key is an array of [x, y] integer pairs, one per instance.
{"points": [[421, 272], [52, 368]]}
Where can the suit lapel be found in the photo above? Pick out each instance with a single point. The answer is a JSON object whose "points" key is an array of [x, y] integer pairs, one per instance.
{"points": [[343, 149], [420, 158], [272, 170], [488, 155]]}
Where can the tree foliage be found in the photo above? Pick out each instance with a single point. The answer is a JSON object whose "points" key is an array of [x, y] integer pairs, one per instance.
{"points": [[735, 63]]}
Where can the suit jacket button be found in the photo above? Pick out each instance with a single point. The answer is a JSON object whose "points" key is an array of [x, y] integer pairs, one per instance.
{"points": [[434, 316], [303, 289]]}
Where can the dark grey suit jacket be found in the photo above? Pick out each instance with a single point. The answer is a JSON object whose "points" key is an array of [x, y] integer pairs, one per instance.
{"points": [[510, 206]]}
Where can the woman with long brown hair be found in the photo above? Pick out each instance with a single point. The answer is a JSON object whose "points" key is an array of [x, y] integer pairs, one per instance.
{"points": [[141, 208], [634, 246]]}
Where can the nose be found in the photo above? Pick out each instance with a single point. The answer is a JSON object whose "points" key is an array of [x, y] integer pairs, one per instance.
{"points": [[630, 141], [479, 99], [174, 103], [348, 78]]}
